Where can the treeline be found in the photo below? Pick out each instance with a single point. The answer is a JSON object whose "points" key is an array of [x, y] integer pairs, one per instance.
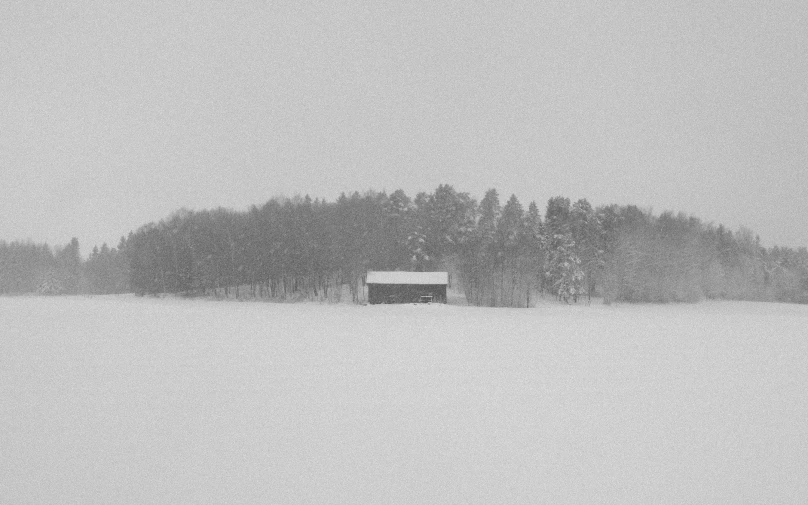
{"points": [[678, 258], [498, 255], [26, 267]]}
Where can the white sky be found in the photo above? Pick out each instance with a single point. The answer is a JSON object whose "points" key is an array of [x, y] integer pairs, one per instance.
{"points": [[114, 115]]}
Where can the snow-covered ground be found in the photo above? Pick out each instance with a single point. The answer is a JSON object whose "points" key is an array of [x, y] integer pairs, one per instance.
{"points": [[131, 400]]}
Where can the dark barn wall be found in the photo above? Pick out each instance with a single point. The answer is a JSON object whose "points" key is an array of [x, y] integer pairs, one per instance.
{"points": [[405, 293]]}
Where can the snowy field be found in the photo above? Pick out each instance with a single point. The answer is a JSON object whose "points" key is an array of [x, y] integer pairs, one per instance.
{"points": [[131, 400]]}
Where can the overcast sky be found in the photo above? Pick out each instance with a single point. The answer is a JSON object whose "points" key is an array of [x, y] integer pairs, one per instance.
{"points": [[115, 114]]}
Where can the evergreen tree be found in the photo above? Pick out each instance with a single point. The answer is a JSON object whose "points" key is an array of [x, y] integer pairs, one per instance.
{"points": [[484, 263], [534, 248], [510, 239], [69, 263], [586, 233], [561, 254]]}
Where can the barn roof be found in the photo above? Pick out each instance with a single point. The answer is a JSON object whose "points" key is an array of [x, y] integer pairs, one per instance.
{"points": [[407, 278]]}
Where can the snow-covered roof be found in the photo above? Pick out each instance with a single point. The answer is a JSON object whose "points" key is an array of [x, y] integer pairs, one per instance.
{"points": [[407, 278]]}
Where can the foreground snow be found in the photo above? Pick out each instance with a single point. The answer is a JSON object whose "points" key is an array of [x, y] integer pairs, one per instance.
{"points": [[127, 400]]}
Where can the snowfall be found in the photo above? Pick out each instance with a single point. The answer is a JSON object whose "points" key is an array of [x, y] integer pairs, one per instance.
{"points": [[122, 399]]}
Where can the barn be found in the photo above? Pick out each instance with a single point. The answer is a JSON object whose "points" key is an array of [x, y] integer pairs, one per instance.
{"points": [[407, 287]]}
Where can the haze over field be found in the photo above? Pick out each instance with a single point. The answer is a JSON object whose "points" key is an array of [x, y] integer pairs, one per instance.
{"points": [[133, 400]]}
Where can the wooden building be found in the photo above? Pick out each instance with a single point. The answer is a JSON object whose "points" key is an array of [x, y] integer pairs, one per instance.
{"points": [[407, 287]]}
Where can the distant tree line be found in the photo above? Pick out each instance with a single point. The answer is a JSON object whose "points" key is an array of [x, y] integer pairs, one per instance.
{"points": [[26, 267], [497, 255]]}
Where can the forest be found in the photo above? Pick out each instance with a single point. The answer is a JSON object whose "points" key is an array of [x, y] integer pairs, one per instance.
{"points": [[497, 254]]}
